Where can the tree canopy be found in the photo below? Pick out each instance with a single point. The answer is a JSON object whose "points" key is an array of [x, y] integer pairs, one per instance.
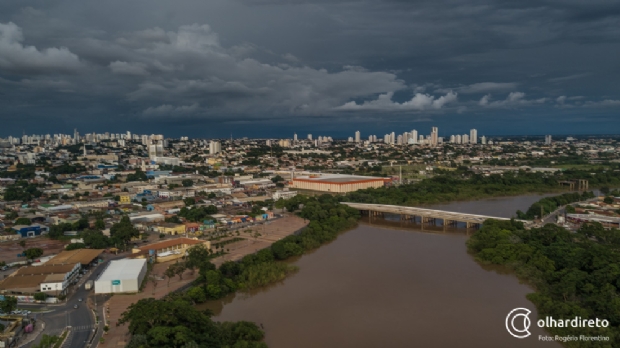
{"points": [[574, 274]]}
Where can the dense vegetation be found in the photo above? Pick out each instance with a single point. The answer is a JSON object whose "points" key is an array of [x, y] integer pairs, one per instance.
{"points": [[450, 187], [549, 204], [327, 219], [174, 322], [574, 274], [22, 191], [198, 214]]}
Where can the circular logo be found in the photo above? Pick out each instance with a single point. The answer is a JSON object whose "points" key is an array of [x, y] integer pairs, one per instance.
{"points": [[518, 322]]}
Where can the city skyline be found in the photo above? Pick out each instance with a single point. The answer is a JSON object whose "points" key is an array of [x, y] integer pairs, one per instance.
{"points": [[270, 68]]}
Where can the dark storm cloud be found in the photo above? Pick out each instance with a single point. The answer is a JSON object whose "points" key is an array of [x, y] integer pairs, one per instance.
{"points": [[331, 61]]}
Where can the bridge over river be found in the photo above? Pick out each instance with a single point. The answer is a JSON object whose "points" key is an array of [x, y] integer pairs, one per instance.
{"points": [[429, 216]]}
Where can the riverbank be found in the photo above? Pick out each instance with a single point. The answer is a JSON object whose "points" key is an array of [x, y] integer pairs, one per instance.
{"points": [[118, 336]]}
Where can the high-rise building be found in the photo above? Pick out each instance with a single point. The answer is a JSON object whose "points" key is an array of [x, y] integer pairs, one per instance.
{"points": [[547, 139], [216, 147], [473, 136], [358, 136], [465, 139], [386, 139], [309, 136], [457, 139], [399, 140], [483, 140], [392, 138], [452, 139], [414, 136], [295, 137], [434, 136]]}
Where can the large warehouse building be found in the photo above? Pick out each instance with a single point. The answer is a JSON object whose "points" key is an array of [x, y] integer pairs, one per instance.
{"points": [[337, 182], [121, 276]]}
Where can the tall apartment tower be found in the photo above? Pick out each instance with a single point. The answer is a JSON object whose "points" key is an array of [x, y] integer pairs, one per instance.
{"points": [[414, 136], [215, 147], [473, 136], [309, 136], [547, 139], [295, 137], [434, 136], [358, 136]]}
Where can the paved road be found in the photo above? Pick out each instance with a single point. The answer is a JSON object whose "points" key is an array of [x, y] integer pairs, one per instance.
{"points": [[81, 319]]}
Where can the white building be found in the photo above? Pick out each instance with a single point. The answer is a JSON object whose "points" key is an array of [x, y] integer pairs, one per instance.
{"points": [[284, 195], [473, 136], [121, 276], [358, 136], [215, 147]]}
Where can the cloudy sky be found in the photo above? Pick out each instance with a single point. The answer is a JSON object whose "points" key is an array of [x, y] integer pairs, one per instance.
{"points": [[207, 68]]}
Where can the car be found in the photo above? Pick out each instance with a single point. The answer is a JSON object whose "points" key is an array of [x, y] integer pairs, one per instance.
{"points": [[75, 306], [80, 299]]}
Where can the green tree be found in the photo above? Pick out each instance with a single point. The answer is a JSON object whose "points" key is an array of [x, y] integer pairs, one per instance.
{"points": [[23, 221], [187, 183], [123, 231], [608, 200], [189, 201], [99, 224], [9, 304], [33, 253]]}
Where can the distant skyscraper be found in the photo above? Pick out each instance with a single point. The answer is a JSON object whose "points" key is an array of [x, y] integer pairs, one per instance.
{"points": [[370, 138], [386, 138], [216, 147], [309, 136], [547, 139], [473, 136], [457, 139], [392, 138], [483, 140], [295, 137], [434, 136], [414, 136], [358, 136], [465, 139], [452, 139]]}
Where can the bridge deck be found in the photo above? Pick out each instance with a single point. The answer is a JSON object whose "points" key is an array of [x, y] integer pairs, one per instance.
{"points": [[423, 212]]}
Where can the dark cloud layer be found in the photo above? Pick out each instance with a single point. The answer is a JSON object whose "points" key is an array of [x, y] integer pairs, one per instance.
{"points": [[261, 67]]}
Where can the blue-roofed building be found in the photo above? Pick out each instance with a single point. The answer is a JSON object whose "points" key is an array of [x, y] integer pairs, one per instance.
{"points": [[28, 231]]}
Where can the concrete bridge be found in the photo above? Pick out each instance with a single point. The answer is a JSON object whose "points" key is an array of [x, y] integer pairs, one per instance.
{"points": [[429, 216]]}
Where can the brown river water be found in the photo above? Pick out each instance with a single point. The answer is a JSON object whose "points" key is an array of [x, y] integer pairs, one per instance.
{"points": [[389, 284]]}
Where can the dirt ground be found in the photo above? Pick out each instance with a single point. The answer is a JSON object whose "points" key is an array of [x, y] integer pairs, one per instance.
{"points": [[10, 249], [118, 336]]}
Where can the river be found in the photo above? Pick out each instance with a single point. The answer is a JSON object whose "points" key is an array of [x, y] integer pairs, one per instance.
{"points": [[388, 284]]}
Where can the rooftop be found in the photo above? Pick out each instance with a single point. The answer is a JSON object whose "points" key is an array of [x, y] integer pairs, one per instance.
{"points": [[83, 256], [339, 178], [171, 242], [122, 269], [21, 282]]}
